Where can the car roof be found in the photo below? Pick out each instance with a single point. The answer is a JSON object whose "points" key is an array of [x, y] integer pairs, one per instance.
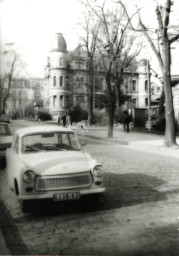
{"points": [[4, 123], [41, 128]]}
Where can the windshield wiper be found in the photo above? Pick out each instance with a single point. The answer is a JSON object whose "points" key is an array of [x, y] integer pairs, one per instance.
{"points": [[32, 149]]}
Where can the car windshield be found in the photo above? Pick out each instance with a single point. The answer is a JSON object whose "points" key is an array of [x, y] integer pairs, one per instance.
{"points": [[4, 130], [50, 141]]}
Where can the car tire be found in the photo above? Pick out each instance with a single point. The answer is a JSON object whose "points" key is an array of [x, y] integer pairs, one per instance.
{"points": [[24, 205], [3, 162]]}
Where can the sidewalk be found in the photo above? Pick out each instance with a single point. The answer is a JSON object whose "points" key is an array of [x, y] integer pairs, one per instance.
{"points": [[137, 140]]}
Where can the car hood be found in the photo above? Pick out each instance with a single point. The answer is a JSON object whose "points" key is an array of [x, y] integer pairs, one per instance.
{"points": [[54, 163]]}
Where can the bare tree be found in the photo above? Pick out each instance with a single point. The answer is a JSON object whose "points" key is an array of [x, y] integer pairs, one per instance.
{"points": [[11, 65], [112, 37], [127, 60], [90, 28], [166, 35]]}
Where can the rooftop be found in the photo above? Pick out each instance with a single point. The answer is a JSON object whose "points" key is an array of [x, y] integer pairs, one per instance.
{"points": [[41, 128]]}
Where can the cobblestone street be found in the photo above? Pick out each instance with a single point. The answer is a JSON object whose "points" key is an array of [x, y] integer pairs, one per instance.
{"points": [[138, 215]]}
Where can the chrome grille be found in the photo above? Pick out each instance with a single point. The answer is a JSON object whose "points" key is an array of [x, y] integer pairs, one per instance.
{"points": [[47, 183]]}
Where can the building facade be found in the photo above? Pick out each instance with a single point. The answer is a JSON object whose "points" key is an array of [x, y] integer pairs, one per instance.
{"points": [[66, 80], [24, 92]]}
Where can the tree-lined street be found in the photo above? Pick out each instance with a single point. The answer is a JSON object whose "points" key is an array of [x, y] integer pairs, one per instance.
{"points": [[138, 214]]}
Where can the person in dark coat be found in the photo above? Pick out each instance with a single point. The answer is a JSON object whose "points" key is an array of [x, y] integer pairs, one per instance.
{"points": [[126, 121], [64, 120]]}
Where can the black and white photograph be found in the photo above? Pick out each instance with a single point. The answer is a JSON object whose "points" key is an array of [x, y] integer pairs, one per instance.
{"points": [[89, 127]]}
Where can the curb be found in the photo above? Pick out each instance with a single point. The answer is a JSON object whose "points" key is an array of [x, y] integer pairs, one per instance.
{"points": [[121, 142]]}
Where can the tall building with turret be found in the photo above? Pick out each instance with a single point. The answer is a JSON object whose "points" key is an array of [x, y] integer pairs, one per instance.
{"points": [[66, 80], [56, 92]]}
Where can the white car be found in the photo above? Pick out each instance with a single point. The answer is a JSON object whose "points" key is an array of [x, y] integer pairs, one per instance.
{"points": [[48, 162], [5, 141]]}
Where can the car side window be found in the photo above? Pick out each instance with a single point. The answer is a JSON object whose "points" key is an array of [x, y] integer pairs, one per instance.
{"points": [[65, 139], [16, 144]]}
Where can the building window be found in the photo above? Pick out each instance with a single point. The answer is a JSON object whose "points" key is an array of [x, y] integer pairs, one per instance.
{"points": [[146, 102], [61, 80], [61, 61], [61, 101], [134, 85], [54, 101], [54, 81], [146, 85], [134, 102]]}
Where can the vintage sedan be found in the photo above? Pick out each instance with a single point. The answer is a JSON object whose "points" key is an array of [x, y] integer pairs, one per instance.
{"points": [[47, 161], [5, 141]]}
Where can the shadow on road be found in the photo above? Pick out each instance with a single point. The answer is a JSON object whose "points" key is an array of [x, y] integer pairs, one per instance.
{"points": [[122, 190], [162, 241]]}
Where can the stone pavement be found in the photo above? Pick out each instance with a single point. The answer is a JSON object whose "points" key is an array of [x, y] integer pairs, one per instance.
{"points": [[3, 246], [135, 140]]}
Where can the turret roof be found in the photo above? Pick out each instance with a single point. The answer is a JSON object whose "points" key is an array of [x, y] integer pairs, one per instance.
{"points": [[59, 43]]}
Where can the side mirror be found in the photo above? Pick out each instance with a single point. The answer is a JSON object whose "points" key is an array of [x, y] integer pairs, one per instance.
{"points": [[82, 142]]}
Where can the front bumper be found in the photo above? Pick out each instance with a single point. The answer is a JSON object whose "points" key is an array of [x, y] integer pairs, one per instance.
{"points": [[50, 194]]}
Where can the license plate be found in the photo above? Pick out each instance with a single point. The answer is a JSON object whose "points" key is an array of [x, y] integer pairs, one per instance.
{"points": [[66, 196]]}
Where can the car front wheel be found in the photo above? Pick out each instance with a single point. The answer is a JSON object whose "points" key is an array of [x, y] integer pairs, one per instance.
{"points": [[24, 204]]}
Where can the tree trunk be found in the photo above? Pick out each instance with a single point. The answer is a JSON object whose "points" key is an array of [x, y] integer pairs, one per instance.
{"points": [[3, 105], [170, 136], [161, 102], [111, 107], [90, 106]]}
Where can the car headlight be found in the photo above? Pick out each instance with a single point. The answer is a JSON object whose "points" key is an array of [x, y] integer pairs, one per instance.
{"points": [[28, 176], [98, 170]]}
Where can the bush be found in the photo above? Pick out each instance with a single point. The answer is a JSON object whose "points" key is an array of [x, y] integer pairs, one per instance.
{"points": [[78, 114], [44, 115], [123, 115], [29, 111], [16, 113], [101, 117], [159, 124]]}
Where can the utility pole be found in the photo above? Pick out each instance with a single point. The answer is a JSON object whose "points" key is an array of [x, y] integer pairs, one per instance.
{"points": [[23, 99]]}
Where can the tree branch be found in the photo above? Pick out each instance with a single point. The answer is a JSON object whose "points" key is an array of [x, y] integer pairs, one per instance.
{"points": [[175, 38]]}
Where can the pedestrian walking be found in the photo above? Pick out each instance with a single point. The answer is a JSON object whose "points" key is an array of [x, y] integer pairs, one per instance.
{"points": [[59, 119], [68, 121], [126, 121], [64, 120]]}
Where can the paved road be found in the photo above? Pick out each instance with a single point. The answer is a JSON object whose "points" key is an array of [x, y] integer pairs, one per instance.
{"points": [[137, 216]]}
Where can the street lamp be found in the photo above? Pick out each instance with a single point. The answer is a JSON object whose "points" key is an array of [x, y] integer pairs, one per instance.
{"points": [[149, 91], [23, 98]]}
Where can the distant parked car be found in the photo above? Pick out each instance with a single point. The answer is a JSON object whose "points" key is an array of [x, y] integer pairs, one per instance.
{"points": [[4, 118], [5, 141], [48, 162]]}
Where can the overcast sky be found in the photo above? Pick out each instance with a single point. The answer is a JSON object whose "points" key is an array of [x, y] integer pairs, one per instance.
{"points": [[31, 24]]}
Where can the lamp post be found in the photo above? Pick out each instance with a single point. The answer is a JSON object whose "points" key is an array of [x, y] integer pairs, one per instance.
{"points": [[23, 98], [149, 94]]}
